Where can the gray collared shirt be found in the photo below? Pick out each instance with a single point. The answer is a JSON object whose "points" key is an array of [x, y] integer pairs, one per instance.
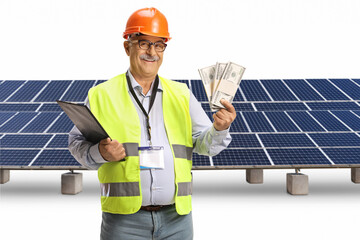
{"points": [[157, 185]]}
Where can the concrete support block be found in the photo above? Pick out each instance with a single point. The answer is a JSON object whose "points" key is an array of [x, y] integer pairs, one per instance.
{"points": [[254, 175], [4, 176], [355, 175], [71, 183], [297, 183]]}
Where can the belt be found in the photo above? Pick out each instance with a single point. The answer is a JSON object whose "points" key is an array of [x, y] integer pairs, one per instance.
{"points": [[151, 208]]}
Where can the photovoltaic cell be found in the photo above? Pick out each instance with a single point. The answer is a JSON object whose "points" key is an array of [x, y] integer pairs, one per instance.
{"points": [[17, 157], [55, 158], [357, 81], [343, 155], [243, 106], [236, 157], [41, 122], [53, 91], [305, 122], [28, 91], [200, 160], [281, 122], [350, 119], [333, 106], [278, 91], [62, 125], [198, 90], [50, 107], [257, 122], [297, 156], [328, 121], [336, 139], [238, 97], [271, 106], [286, 140], [78, 91], [24, 141], [302, 90], [327, 90], [8, 87], [253, 91], [5, 116], [19, 107], [238, 125], [59, 141], [17, 122], [244, 141], [350, 88]]}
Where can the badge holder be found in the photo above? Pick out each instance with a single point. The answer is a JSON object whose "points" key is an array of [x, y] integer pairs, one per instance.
{"points": [[152, 157]]}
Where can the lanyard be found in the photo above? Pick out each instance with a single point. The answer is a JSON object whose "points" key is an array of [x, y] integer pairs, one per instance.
{"points": [[152, 99]]}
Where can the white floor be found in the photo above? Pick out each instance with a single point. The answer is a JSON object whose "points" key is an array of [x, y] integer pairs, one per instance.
{"points": [[225, 206]]}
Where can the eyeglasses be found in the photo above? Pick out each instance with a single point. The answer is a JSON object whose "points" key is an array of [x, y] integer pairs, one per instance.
{"points": [[146, 44]]}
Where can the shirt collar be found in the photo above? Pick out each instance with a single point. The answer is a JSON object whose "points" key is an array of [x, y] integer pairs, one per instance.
{"points": [[136, 85]]}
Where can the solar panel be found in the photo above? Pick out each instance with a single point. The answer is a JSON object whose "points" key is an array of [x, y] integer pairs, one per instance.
{"points": [[24, 141], [350, 88], [303, 90], [271, 106], [40, 123], [28, 91], [281, 123], [335, 139], [53, 91], [297, 156], [327, 90], [17, 107], [253, 91], [78, 91], [286, 140], [17, 122], [238, 157], [343, 155], [306, 122], [278, 91], [8, 88]]}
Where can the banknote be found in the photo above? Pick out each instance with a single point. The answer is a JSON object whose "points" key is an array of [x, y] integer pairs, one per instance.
{"points": [[228, 84], [219, 71], [207, 76]]}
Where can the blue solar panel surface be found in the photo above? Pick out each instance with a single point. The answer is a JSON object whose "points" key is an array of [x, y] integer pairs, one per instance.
{"points": [[290, 122]]}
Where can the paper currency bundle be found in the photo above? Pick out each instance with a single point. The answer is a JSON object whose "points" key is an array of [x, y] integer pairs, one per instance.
{"points": [[221, 82]]}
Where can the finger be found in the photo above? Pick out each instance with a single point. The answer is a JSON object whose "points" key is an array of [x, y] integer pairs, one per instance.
{"points": [[217, 119], [220, 115], [105, 141], [227, 105]]}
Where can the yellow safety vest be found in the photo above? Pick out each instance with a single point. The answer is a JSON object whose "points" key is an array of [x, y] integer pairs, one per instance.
{"points": [[120, 183]]}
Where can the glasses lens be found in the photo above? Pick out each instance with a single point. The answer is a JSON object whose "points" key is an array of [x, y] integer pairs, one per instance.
{"points": [[143, 44], [160, 46]]}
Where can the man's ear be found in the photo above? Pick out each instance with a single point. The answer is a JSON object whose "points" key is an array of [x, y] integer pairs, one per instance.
{"points": [[127, 47]]}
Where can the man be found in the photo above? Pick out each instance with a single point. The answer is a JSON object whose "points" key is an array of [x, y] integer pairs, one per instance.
{"points": [[155, 124]]}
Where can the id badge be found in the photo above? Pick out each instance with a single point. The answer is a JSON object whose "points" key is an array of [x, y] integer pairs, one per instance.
{"points": [[152, 157]]}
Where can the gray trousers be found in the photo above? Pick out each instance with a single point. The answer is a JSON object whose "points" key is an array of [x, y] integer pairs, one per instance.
{"points": [[163, 224]]}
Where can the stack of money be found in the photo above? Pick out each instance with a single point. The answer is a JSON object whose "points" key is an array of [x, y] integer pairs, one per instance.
{"points": [[221, 82]]}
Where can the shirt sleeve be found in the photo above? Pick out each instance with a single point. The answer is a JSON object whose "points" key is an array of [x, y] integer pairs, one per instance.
{"points": [[207, 140], [85, 152]]}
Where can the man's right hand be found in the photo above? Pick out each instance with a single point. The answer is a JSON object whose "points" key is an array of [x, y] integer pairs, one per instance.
{"points": [[111, 151]]}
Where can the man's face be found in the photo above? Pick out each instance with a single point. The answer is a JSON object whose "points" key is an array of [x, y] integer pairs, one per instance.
{"points": [[144, 63]]}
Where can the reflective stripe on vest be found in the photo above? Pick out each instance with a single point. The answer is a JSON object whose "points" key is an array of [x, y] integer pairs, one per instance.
{"points": [[182, 151], [123, 189]]}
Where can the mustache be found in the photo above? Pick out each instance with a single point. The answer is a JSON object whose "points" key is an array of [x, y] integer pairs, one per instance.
{"points": [[147, 57]]}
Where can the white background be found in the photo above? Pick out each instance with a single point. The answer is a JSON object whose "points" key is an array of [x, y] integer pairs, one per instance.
{"points": [[68, 39]]}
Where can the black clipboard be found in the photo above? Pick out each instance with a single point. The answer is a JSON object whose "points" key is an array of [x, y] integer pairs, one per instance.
{"points": [[84, 120]]}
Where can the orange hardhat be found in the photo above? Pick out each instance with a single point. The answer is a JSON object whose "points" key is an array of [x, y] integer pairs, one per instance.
{"points": [[148, 21]]}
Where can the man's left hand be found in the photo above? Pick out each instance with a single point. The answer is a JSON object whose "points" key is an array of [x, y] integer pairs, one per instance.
{"points": [[224, 117]]}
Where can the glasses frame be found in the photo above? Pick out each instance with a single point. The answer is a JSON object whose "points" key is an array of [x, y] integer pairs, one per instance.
{"points": [[150, 44]]}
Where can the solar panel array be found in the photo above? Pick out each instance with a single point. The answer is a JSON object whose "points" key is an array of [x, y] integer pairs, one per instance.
{"points": [[281, 123]]}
